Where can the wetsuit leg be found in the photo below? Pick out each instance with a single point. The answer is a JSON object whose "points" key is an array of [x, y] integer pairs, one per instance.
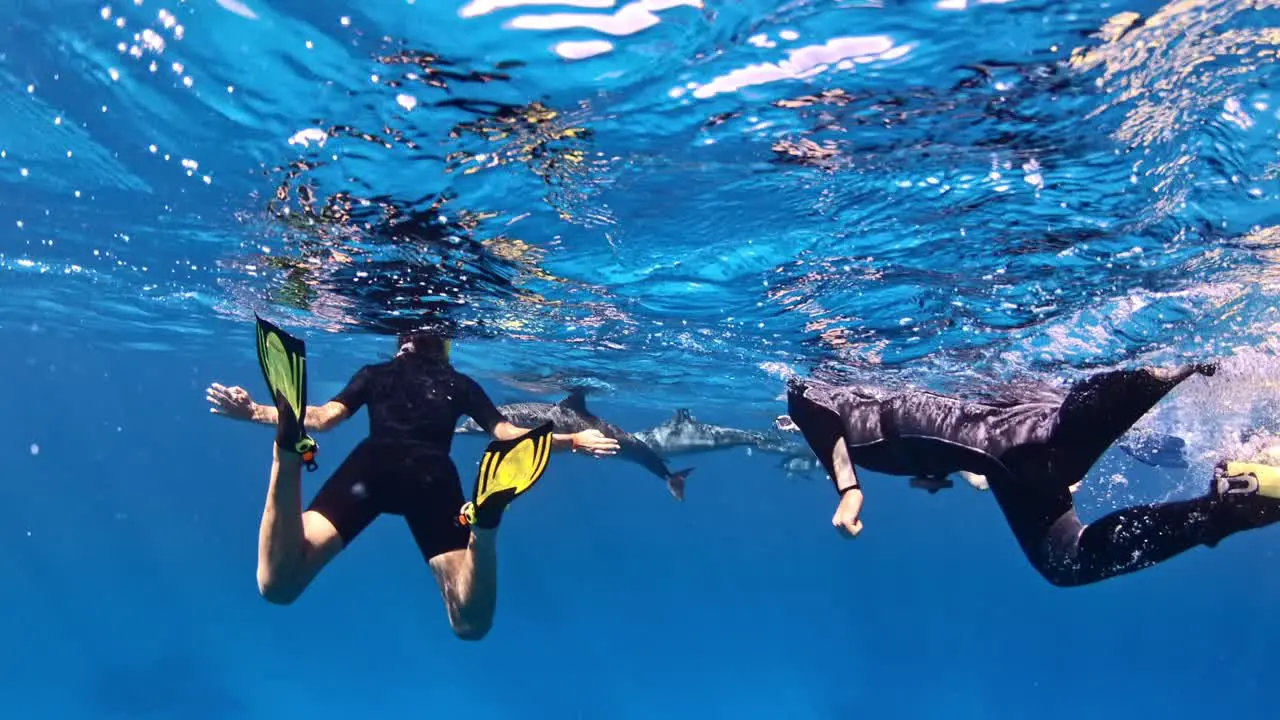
{"points": [[1144, 535], [350, 499], [1100, 409], [429, 496], [1068, 552], [1038, 506]]}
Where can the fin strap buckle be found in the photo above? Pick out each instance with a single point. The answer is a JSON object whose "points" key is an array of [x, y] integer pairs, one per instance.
{"points": [[307, 448], [467, 515]]}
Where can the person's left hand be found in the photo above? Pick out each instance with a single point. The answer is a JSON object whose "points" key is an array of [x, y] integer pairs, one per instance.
{"points": [[847, 518], [595, 443]]}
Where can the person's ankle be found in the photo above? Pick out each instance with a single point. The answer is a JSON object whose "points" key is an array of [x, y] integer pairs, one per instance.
{"points": [[285, 457], [483, 537]]}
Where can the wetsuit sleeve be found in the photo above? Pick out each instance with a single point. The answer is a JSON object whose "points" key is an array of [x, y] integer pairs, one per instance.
{"points": [[356, 394], [822, 428], [478, 406]]}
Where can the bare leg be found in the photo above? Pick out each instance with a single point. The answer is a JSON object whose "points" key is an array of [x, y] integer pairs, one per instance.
{"points": [[469, 584], [292, 546]]}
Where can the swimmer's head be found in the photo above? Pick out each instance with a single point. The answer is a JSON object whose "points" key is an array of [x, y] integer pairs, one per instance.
{"points": [[424, 345]]}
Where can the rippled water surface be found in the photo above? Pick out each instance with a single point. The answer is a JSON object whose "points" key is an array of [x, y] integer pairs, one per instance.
{"points": [[702, 195]]}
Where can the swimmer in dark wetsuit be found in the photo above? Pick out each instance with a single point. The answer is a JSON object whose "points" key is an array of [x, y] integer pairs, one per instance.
{"points": [[1031, 455], [401, 468]]}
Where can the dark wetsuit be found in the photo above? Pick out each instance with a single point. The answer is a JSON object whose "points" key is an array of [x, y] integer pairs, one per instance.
{"points": [[403, 466], [1031, 454]]}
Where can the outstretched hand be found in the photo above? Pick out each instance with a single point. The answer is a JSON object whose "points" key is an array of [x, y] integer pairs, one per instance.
{"points": [[594, 442], [234, 402]]}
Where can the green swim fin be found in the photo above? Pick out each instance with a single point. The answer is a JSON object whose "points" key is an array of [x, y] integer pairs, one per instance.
{"points": [[283, 359], [508, 469]]}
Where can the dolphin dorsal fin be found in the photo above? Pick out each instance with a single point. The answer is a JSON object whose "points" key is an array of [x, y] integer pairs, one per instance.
{"points": [[683, 416], [576, 401]]}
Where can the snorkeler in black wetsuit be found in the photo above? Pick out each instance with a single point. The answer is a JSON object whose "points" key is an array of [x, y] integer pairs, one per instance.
{"points": [[1031, 454], [401, 468]]}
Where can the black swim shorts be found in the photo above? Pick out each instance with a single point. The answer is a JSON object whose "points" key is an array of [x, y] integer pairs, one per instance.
{"points": [[416, 481]]}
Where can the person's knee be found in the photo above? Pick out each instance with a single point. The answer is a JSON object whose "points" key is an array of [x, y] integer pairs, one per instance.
{"points": [[1058, 578], [1058, 555], [471, 630], [1058, 573], [276, 590]]}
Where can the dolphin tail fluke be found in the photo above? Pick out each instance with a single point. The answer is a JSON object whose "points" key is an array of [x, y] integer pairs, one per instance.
{"points": [[675, 483]]}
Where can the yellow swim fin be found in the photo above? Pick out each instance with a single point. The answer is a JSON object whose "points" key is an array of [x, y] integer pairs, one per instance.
{"points": [[508, 469], [1240, 478]]}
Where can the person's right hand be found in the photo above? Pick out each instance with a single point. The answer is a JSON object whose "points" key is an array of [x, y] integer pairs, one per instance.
{"points": [[594, 442], [234, 402], [846, 518]]}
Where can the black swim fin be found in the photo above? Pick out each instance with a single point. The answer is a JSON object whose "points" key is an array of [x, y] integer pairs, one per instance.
{"points": [[508, 469], [283, 359]]}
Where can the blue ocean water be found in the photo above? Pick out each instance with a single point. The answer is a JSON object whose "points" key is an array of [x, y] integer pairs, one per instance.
{"points": [[675, 203]]}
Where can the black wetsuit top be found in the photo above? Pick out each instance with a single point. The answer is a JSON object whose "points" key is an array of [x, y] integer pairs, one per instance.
{"points": [[1031, 454], [417, 401], [924, 434], [403, 466]]}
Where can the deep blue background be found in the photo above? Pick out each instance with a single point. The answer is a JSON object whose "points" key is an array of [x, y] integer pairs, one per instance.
{"points": [[1047, 218], [129, 548]]}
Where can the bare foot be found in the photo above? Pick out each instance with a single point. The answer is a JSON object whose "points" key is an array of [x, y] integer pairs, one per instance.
{"points": [[976, 481]]}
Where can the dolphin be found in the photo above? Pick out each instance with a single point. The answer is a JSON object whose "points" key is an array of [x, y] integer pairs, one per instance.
{"points": [[571, 415], [684, 435], [801, 464]]}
